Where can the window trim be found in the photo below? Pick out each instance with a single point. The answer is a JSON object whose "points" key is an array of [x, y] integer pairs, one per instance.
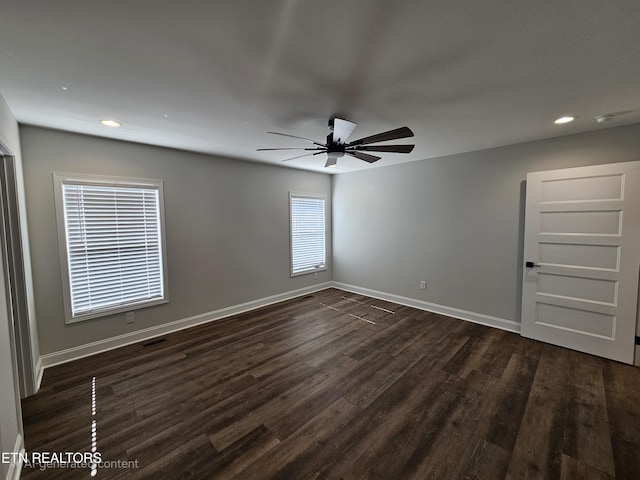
{"points": [[317, 196], [102, 180]]}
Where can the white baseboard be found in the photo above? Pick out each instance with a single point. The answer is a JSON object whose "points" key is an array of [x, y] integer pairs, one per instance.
{"points": [[75, 353], [501, 323], [15, 467]]}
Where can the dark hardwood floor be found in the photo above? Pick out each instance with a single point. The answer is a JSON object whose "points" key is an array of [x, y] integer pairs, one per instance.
{"points": [[340, 386]]}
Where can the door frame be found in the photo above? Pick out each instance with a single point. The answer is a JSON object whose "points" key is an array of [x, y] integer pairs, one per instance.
{"points": [[12, 257]]}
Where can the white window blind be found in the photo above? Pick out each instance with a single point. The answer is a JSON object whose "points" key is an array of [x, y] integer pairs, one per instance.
{"points": [[113, 236], [307, 233]]}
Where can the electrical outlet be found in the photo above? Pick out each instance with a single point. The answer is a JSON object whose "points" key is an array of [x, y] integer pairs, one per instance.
{"points": [[130, 317], [423, 285]]}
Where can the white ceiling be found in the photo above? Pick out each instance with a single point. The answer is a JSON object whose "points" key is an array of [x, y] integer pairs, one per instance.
{"points": [[463, 75]]}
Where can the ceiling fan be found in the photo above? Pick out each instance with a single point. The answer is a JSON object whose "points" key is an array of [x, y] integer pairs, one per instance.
{"points": [[337, 145]]}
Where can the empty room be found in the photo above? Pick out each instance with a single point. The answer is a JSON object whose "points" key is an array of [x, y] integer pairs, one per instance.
{"points": [[320, 240]]}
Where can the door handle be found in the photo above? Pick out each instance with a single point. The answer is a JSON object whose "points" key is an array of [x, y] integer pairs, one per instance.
{"points": [[531, 265]]}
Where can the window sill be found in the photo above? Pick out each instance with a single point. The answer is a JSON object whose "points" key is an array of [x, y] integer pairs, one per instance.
{"points": [[307, 272], [116, 310]]}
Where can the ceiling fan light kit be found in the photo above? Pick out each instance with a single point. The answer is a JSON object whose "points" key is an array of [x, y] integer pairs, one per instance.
{"points": [[336, 145]]}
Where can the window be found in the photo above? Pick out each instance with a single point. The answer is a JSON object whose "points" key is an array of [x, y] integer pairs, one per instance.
{"points": [[111, 240], [307, 233]]}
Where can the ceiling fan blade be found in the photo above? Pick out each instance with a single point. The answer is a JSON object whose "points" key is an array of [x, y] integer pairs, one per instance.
{"points": [[363, 156], [301, 138], [300, 156], [342, 129], [402, 132], [293, 148], [385, 148], [331, 162]]}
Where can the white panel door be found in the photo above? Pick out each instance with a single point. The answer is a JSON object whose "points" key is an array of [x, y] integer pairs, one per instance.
{"points": [[582, 259]]}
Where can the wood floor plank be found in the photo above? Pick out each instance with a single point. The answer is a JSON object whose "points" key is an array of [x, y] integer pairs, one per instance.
{"points": [[498, 355], [418, 418], [242, 453], [454, 428], [625, 440], [537, 452], [500, 421], [383, 416], [572, 469], [622, 385], [307, 389], [382, 370], [188, 460], [482, 460], [625, 455], [586, 432], [314, 433], [469, 356], [289, 399], [116, 437]]}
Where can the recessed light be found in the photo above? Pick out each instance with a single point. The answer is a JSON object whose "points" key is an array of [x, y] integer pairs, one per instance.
{"points": [[165, 115], [110, 123], [65, 88], [565, 119], [606, 118]]}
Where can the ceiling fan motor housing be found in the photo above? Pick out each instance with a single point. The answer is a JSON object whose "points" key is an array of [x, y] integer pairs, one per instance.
{"points": [[333, 147]]}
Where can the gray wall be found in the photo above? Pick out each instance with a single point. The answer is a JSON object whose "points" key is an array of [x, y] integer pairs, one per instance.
{"points": [[454, 221], [227, 226], [10, 414]]}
